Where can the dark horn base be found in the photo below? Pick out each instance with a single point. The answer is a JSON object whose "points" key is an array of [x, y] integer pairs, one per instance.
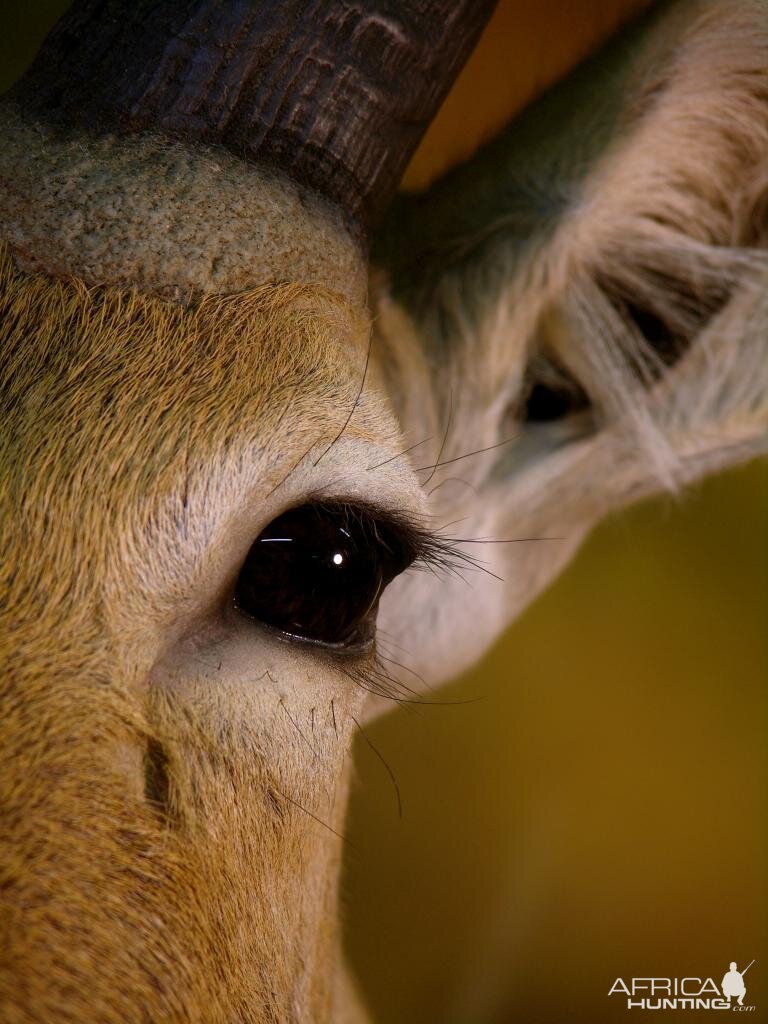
{"points": [[336, 93]]}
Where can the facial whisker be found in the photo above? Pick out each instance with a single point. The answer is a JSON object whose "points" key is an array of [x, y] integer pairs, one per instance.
{"points": [[314, 817], [297, 727], [458, 458], [292, 470], [399, 455], [453, 522], [383, 760], [492, 540], [452, 480], [445, 438], [354, 406]]}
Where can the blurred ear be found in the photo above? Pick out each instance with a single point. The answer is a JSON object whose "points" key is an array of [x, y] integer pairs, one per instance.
{"points": [[585, 303]]}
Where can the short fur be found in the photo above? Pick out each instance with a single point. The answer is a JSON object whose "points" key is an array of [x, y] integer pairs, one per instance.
{"points": [[172, 788]]}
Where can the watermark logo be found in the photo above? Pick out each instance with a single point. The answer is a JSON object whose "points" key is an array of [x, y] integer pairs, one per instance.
{"points": [[733, 983], [686, 993]]}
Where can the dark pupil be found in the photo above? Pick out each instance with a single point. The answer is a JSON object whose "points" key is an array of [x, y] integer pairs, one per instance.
{"points": [[317, 572]]}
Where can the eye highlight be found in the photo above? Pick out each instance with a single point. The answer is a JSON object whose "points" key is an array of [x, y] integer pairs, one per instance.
{"points": [[317, 571]]}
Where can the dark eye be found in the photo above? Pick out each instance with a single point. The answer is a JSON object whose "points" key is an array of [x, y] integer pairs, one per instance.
{"points": [[317, 572]]}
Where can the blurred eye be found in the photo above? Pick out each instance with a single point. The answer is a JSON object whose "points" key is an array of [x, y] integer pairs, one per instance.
{"points": [[317, 572]]}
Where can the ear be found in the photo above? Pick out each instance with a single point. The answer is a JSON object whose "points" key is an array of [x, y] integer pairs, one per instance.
{"points": [[585, 303]]}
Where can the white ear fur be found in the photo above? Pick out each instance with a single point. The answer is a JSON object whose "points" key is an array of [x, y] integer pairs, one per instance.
{"points": [[670, 220]]}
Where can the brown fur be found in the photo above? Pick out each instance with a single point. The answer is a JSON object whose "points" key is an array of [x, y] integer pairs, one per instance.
{"points": [[130, 492]]}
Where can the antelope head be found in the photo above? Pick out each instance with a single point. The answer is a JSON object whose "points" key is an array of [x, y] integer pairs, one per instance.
{"points": [[252, 412]]}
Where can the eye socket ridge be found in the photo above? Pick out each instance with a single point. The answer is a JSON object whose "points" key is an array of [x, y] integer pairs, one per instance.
{"points": [[317, 571]]}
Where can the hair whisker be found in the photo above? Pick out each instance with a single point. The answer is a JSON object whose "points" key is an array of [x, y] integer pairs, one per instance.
{"points": [[445, 439], [383, 760], [399, 455], [354, 405], [458, 458]]}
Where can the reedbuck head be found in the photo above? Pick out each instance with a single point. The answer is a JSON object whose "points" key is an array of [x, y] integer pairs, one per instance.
{"points": [[249, 419]]}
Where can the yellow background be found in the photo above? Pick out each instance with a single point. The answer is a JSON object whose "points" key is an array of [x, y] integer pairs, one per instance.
{"points": [[601, 811]]}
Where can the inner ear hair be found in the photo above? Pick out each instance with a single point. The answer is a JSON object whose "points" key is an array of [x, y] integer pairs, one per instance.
{"points": [[601, 249]]}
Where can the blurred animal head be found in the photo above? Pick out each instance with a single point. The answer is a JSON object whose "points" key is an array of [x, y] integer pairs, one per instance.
{"points": [[239, 474]]}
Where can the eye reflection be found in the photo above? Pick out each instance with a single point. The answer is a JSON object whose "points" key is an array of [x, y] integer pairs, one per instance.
{"points": [[317, 572]]}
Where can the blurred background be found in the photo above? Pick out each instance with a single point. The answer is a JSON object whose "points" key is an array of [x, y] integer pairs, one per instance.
{"points": [[601, 810]]}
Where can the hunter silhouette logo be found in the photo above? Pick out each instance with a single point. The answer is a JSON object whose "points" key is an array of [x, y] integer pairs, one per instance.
{"points": [[686, 993], [733, 983]]}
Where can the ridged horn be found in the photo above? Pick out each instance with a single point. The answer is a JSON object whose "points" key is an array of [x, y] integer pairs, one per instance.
{"points": [[335, 93]]}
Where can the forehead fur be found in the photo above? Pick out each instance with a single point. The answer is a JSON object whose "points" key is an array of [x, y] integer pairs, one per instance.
{"points": [[113, 400]]}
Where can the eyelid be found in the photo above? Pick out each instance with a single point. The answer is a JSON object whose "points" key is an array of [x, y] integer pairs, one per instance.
{"points": [[424, 542]]}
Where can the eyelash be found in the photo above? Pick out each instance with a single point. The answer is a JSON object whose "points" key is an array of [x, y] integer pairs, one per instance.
{"points": [[431, 551]]}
